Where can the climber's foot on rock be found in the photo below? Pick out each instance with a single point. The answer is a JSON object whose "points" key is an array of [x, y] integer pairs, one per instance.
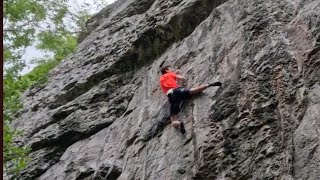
{"points": [[215, 84]]}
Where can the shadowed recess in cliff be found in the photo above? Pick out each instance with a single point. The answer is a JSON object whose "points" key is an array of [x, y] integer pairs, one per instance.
{"points": [[68, 137], [150, 45], [119, 77], [159, 121], [154, 42], [136, 7]]}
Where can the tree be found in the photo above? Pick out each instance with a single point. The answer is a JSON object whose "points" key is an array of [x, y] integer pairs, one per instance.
{"points": [[22, 21]]}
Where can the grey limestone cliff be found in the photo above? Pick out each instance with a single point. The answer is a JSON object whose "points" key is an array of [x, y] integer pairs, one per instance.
{"points": [[102, 114]]}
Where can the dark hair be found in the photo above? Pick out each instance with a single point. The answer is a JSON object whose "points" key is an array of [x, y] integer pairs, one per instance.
{"points": [[164, 69]]}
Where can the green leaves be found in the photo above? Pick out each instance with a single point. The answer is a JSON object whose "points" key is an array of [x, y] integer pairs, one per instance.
{"points": [[23, 20], [18, 157], [14, 155], [17, 10], [21, 17], [59, 15], [60, 43]]}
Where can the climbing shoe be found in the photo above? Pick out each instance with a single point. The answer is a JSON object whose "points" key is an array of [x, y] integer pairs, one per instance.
{"points": [[182, 129], [215, 84]]}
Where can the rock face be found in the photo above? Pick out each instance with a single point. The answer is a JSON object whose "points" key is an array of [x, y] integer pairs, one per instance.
{"points": [[102, 114]]}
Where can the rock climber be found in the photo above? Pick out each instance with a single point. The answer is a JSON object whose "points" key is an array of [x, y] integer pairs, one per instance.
{"points": [[175, 93]]}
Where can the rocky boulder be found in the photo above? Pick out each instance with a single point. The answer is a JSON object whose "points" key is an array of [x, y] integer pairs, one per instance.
{"points": [[102, 114]]}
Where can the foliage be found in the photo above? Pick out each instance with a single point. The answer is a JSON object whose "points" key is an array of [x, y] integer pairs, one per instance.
{"points": [[61, 44], [14, 154], [23, 19]]}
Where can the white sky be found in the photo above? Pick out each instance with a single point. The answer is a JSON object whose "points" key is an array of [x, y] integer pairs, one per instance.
{"points": [[33, 53]]}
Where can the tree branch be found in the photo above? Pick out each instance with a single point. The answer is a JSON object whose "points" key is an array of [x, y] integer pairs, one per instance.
{"points": [[29, 22]]}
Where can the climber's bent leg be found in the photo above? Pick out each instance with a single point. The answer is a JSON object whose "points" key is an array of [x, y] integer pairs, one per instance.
{"points": [[175, 100], [174, 110]]}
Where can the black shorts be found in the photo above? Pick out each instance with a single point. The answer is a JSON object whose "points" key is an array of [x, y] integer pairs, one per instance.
{"points": [[176, 98]]}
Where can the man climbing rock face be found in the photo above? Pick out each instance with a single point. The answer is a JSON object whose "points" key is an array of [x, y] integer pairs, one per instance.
{"points": [[175, 93]]}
